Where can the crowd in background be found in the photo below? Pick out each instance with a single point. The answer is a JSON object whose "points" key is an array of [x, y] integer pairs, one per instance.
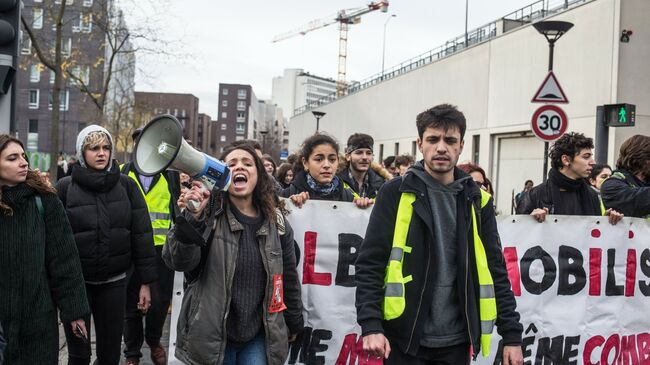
{"points": [[104, 240]]}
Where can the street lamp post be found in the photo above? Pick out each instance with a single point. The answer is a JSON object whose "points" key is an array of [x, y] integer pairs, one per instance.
{"points": [[383, 51], [552, 30], [318, 115]]}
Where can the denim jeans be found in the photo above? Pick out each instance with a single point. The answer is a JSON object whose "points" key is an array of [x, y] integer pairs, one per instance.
{"points": [[252, 352]]}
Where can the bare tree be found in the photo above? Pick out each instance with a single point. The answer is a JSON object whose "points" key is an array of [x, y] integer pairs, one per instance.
{"points": [[112, 94]]}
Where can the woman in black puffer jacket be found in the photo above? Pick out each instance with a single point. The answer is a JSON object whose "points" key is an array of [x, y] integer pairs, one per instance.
{"points": [[111, 226]]}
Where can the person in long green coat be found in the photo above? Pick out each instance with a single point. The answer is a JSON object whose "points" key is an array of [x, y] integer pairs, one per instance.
{"points": [[40, 271]]}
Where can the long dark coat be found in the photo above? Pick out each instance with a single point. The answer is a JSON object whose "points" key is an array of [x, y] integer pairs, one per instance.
{"points": [[40, 272]]}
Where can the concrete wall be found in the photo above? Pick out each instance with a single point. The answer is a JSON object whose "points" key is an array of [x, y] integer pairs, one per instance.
{"points": [[493, 83]]}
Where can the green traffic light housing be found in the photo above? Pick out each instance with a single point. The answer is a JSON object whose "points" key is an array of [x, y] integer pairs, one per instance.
{"points": [[620, 115]]}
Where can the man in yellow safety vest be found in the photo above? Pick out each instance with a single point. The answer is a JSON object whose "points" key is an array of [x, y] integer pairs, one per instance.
{"points": [[160, 192], [431, 278]]}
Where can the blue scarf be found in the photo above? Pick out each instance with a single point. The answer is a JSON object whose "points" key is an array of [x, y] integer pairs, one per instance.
{"points": [[323, 190]]}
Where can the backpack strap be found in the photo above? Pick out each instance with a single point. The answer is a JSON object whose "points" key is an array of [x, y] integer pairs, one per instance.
{"points": [[39, 206]]}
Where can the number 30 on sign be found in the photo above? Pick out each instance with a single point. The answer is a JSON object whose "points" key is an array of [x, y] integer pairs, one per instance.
{"points": [[549, 122]]}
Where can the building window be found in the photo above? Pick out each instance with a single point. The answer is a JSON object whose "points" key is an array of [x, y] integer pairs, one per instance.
{"points": [[224, 115], [224, 91], [32, 135], [183, 114], [26, 44], [414, 147], [396, 148], [476, 148], [87, 3], [52, 77], [239, 138], [241, 105], [241, 94], [63, 100], [82, 73], [34, 73], [222, 138], [223, 126], [241, 128], [381, 154], [224, 103], [241, 116], [68, 2], [37, 18], [66, 47], [33, 99], [85, 22]]}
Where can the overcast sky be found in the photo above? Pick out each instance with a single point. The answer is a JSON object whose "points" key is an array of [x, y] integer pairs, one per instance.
{"points": [[230, 41]]}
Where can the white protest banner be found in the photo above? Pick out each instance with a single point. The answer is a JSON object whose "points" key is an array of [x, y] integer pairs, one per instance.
{"points": [[581, 285]]}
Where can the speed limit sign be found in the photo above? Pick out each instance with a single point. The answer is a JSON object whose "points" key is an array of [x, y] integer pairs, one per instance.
{"points": [[549, 122]]}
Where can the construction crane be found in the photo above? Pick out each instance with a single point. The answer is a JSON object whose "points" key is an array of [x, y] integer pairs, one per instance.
{"points": [[345, 18]]}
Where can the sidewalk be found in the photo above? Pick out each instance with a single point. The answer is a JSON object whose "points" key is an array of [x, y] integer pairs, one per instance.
{"points": [[146, 359]]}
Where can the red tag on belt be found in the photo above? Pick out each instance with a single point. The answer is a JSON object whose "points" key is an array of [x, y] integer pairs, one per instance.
{"points": [[277, 300]]}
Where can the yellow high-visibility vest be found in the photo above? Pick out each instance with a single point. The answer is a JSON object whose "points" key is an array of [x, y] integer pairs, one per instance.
{"points": [[158, 201], [394, 294]]}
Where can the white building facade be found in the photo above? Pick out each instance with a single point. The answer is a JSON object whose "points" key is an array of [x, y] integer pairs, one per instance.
{"points": [[493, 81]]}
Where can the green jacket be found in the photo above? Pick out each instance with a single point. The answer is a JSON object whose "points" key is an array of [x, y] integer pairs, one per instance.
{"points": [[41, 272]]}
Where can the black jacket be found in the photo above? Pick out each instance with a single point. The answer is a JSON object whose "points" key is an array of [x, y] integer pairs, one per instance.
{"points": [[110, 222], [299, 184], [374, 253], [375, 181], [626, 194], [541, 197]]}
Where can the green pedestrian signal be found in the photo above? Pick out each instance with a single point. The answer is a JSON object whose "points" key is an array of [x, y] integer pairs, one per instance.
{"points": [[620, 115]]}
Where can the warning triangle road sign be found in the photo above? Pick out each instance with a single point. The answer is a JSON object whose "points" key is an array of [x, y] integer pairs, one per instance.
{"points": [[550, 91]]}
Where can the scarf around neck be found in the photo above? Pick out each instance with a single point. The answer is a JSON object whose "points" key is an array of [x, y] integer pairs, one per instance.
{"points": [[588, 201], [323, 190]]}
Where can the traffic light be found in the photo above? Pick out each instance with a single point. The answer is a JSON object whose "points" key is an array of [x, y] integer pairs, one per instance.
{"points": [[620, 115], [9, 31]]}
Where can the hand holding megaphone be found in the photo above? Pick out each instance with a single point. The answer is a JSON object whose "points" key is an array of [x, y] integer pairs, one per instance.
{"points": [[195, 199]]}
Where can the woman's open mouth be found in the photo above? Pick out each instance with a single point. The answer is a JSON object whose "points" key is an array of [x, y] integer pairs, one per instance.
{"points": [[239, 180]]}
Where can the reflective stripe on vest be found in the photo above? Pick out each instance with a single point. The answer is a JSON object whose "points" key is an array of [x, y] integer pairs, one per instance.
{"points": [[348, 187], [158, 200], [487, 301], [394, 295], [394, 298]]}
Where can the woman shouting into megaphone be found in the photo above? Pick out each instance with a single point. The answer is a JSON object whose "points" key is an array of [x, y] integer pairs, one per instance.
{"points": [[242, 304]]}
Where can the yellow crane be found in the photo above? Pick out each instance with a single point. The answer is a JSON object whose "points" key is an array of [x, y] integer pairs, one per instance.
{"points": [[345, 18]]}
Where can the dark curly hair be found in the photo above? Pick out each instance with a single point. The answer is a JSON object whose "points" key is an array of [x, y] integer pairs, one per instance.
{"points": [[316, 140], [634, 154], [34, 179], [443, 116], [569, 144], [264, 197]]}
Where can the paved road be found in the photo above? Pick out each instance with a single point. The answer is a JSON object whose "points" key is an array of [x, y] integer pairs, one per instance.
{"points": [[146, 360]]}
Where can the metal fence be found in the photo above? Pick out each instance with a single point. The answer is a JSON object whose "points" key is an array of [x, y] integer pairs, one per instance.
{"points": [[528, 14]]}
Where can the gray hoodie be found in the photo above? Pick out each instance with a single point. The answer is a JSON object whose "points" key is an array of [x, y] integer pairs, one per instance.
{"points": [[81, 138], [445, 325]]}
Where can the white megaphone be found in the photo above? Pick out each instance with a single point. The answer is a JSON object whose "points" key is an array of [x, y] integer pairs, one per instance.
{"points": [[161, 146]]}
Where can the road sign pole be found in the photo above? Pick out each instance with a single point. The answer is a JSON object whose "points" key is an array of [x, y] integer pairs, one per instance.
{"points": [[602, 136]]}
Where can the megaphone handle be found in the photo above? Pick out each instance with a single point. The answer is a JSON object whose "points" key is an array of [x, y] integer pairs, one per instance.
{"points": [[194, 205]]}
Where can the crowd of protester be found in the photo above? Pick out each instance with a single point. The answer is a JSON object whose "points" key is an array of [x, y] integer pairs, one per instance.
{"points": [[105, 241]]}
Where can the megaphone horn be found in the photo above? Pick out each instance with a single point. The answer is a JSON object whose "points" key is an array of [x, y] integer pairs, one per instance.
{"points": [[161, 146]]}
